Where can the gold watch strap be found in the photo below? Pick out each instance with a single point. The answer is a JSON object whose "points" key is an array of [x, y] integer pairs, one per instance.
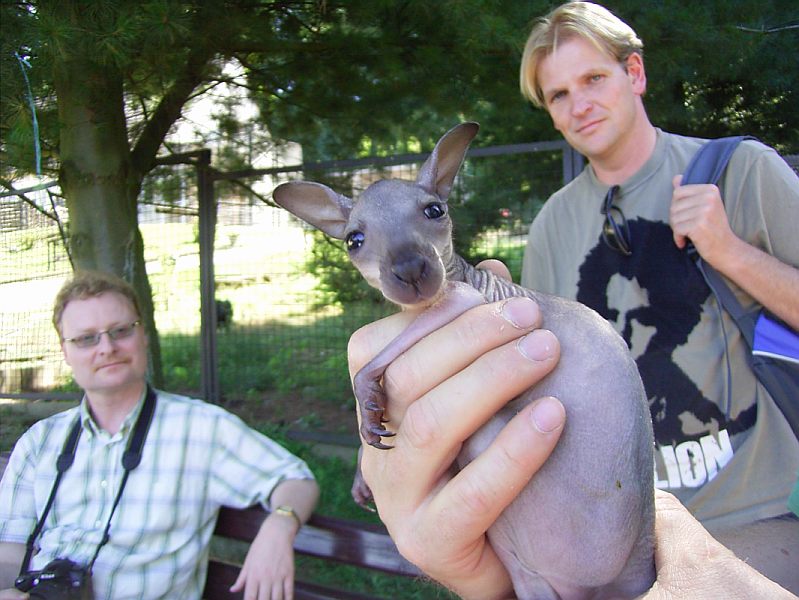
{"points": [[287, 511]]}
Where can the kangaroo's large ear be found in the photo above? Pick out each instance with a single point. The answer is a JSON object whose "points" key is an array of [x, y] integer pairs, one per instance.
{"points": [[315, 204], [439, 170]]}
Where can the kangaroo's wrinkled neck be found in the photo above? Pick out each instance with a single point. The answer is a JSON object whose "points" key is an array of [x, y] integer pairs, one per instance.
{"points": [[487, 283]]}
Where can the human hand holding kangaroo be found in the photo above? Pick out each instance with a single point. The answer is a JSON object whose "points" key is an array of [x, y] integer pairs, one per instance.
{"points": [[414, 485], [583, 526]]}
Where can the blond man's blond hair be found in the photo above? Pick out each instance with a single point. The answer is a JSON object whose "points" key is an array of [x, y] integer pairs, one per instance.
{"points": [[587, 20]]}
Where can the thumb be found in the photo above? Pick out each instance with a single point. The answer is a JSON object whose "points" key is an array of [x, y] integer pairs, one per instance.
{"points": [[238, 585], [677, 181], [497, 267]]}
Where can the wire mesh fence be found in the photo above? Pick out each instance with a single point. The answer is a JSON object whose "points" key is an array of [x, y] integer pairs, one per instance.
{"points": [[285, 302], [285, 305], [32, 267]]}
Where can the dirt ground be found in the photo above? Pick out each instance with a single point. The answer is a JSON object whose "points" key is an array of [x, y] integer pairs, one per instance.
{"points": [[314, 420], [297, 412]]}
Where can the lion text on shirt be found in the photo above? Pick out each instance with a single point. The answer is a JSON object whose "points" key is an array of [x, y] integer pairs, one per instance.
{"points": [[692, 463]]}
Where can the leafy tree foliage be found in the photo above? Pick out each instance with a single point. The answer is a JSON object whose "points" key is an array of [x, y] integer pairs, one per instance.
{"points": [[109, 79], [722, 67], [716, 68]]}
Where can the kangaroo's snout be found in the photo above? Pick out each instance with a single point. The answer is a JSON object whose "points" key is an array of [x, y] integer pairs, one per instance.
{"points": [[411, 270], [413, 276]]}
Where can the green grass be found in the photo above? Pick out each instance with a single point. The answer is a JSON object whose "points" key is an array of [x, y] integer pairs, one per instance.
{"points": [[510, 250], [278, 356]]}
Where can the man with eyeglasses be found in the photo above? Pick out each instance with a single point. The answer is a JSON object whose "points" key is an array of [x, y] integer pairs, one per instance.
{"points": [[615, 239], [195, 458]]}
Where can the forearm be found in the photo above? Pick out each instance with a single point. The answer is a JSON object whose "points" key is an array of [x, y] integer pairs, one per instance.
{"points": [[717, 577], [691, 563], [769, 546], [771, 282], [269, 564]]}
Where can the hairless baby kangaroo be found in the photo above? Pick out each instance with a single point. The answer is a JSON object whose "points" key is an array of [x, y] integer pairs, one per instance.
{"points": [[584, 525]]}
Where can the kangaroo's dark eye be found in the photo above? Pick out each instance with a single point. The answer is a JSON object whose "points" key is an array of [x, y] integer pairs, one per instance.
{"points": [[434, 210], [355, 240]]}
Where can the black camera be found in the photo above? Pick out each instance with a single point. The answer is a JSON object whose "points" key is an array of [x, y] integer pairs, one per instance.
{"points": [[59, 579]]}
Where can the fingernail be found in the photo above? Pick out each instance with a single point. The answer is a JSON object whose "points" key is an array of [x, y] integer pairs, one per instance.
{"points": [[548, 415], [521, 312], [538, 345]]}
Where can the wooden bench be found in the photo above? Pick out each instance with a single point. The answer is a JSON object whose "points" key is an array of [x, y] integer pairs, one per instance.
{"points": [[355, 543], [363, 545]]}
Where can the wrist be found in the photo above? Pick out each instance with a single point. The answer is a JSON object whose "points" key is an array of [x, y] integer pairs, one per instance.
{"points": [[287, 513], [729, 257], [489, 581]]}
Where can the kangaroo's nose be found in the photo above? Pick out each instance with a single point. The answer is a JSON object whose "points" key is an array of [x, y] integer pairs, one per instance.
{"points": [[410, 270]]}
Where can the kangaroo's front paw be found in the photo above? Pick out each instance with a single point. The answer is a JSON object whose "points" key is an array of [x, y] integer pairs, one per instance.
{"points": [[371, 404], [372, 429]]}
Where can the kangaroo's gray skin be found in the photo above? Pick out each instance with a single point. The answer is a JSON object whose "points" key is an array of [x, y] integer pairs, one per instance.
{"points": [[584, 526]]}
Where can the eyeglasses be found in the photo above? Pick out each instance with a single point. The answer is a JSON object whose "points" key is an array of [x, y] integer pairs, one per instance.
{"points": [[615, 231], [92, 339]]}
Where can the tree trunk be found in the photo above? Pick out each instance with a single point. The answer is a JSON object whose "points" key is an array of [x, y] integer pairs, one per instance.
{"points": [[100, 184]]}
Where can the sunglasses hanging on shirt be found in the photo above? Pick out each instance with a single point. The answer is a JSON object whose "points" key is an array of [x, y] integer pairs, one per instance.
{"points": [[615, 231]]}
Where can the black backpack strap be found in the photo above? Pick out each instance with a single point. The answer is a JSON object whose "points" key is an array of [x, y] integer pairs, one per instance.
{"points": [[707, 166], [709, 162]]}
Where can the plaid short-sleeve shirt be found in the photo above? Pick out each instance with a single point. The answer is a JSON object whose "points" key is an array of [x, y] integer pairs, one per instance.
{"points": [[197, 457]]}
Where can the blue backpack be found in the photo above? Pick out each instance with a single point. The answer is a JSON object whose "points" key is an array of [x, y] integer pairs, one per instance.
{"points": [[773, 345]]}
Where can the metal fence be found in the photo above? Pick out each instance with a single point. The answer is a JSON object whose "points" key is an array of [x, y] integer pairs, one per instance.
{"points": [[237, 309]]}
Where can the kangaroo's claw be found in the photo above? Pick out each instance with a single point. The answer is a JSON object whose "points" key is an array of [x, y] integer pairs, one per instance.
{"points": [[382, 432], [380, 445]]}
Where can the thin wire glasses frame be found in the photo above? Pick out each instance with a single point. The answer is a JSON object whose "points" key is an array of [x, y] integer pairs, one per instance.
{"points": [[615, 231], [115, 333]]}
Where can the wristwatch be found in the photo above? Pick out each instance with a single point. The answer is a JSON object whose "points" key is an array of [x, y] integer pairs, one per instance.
{"points": [[286, 511]]}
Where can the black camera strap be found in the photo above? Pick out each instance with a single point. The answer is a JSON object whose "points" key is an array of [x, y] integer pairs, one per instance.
{"points": [[63, 463], [130, 460]]}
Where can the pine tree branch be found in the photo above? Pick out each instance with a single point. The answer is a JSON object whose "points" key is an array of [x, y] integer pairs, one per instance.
{"points": [[777, 29], [169, 109], [21, 195]]}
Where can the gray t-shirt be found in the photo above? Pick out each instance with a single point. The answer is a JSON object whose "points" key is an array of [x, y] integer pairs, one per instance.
{"points": [[732, 461]]}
